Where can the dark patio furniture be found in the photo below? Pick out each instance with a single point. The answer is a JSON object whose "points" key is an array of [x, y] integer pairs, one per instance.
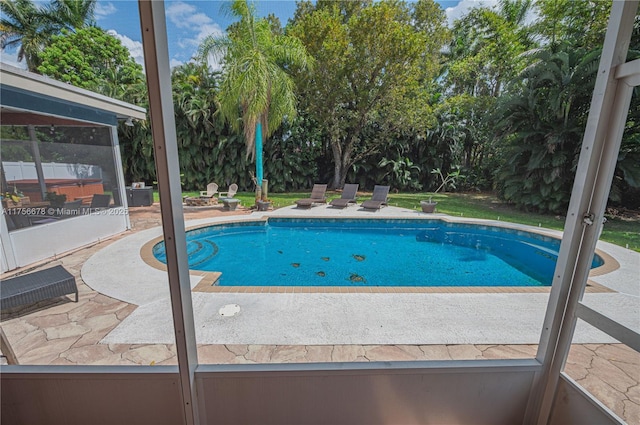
{"points": [[348, 196], [37, 286], [317, 197], [378, 199], [100, 201]]}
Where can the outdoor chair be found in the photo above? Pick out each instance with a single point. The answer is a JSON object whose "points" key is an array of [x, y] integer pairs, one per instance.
{"points": [[378, 199], [233, 189], [212, 189], [100, 201], [348, 196], [71, 208], [317, 197]]}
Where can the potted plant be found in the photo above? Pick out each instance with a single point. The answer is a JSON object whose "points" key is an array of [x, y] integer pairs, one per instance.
{"points": [[428, 206], [450, 180], [262, 202]]}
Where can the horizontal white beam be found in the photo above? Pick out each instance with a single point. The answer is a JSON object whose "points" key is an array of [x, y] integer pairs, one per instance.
{"points": [[612, 328]]}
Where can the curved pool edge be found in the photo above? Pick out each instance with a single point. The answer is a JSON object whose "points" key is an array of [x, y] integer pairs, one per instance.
{"points": [[118, 271], [207, 280]]}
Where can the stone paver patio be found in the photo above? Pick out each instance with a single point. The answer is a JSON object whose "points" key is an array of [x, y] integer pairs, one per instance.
{"points": [[61, 332]]}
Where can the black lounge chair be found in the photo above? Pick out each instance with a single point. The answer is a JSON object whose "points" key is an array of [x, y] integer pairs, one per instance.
{"points": [[349, 194], [100, 201], [317, 197], [37, 286], [378, 199]]}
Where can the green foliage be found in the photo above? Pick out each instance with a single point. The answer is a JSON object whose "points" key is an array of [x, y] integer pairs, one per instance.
{"points": [[56, 201], [89, 58], [370, 64], [31, 25], [255, 80], [25, 26], [542, 123]]}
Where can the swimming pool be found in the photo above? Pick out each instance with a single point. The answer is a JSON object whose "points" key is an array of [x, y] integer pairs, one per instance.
{"points": [[364, 252]]}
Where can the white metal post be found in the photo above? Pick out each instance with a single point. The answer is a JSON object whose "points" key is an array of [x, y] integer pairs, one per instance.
{"points": [[156, 57], [600, 146], [117, 158]]}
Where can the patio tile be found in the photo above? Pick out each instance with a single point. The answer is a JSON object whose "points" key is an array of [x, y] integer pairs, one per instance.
{"points": [[288, 354], [346, 353], [604, 392], [29, 342], [114, 359], [17, 329], [260, 353], [435, 352], [126, 311], [48, 321], [60, 361], [631, 412], [105, 321], [66, 330], [148, 354], [509, 352], [119, 348], [318, 353], [46, 353], [388, 353], [87, 354], [214, 354], [618, 379], [93, 337], [238, 349], [413, 350], [620, 353], [464, 352]]}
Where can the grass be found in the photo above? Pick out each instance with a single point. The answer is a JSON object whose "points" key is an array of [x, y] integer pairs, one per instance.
{"points": [[623, 232]]}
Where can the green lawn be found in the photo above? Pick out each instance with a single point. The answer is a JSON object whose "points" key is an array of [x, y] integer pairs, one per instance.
{"points": [[621, 232]]}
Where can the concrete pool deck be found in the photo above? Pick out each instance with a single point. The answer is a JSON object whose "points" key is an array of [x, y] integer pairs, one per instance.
{"points": [[397, 316]]}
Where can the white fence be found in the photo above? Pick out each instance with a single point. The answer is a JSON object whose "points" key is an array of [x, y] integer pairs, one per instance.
{"points": [[52, 170]]}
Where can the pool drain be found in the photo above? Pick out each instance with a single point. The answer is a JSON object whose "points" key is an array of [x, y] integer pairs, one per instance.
{"points": [[229, 310]]}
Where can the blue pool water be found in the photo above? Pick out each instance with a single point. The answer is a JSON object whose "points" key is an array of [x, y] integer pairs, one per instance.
{"points": [[335, 252]]}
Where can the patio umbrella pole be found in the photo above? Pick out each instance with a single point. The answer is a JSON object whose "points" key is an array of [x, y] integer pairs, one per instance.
{"points": [[258, 153]]}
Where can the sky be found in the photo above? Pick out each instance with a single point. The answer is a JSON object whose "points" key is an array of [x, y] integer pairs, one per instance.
{"points": [[189, 22]]}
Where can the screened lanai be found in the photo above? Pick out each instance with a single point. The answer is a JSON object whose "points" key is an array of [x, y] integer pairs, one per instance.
{"points": [[60, 152]]}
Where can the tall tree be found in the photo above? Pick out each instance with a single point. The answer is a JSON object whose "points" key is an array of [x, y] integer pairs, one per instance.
{"points": [[72, 14], [485, 48], [30, 26], [255, 79], [92, 59], [27, 27], [542, 122], [370, 66]]}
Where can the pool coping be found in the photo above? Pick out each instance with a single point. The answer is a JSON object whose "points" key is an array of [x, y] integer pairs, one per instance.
{"points": [[208, 281]]}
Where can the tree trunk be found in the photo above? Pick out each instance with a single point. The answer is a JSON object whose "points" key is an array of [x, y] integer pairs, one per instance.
{"points": [[337, 166]]}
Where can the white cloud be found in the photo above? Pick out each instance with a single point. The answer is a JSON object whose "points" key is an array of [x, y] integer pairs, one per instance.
{"points": [[196, 25], [134, 47], [175, 62], [463, 8], [103, 10]]}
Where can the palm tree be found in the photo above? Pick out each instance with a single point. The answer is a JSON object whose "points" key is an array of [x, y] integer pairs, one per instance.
{"points": [[31, 27], [72, 14], [255, 80], [26, 25], [543, 123]]}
